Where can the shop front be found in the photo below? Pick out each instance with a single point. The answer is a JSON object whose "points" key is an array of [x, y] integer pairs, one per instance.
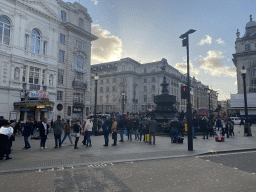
{"points": [[78, 112], [35, 105]]}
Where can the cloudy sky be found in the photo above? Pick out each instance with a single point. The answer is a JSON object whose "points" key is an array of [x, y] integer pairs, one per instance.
{"points": [[149, 30]]}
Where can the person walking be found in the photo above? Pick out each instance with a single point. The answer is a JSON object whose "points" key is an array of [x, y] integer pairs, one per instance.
{"points": [[152, 124], [194, 126], [174, 126], [58, 128], [84, 133], [204, 127], [67, 132], [88, 129], [129, 126], [218, 127], [77, 130], [27, 130], [114, 130], [43, 130], [120, 126]]}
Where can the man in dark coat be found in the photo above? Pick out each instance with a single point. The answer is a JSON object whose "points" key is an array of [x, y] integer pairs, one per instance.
{"points": [[58, 128], [120, 126], [43, 130]]}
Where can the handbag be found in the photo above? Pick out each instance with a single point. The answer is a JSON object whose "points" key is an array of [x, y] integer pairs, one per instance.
{"points": [[77, 134], [83, 133]]}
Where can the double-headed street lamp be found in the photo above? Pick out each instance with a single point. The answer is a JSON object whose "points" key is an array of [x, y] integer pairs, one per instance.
{"points": [[247, 128], [185, 43], [96, 77]]}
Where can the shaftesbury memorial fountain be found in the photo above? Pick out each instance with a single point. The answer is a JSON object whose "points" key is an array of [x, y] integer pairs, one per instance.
{"points": [[165, 109]]}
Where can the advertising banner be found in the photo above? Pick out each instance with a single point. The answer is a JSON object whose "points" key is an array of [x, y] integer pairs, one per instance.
{"points": [[35, 94]]}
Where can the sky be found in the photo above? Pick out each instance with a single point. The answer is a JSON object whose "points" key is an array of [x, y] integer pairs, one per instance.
{"points": [[149, 30]]}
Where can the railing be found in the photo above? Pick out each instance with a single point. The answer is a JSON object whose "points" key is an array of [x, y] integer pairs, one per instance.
{"points": [[79, 84]]}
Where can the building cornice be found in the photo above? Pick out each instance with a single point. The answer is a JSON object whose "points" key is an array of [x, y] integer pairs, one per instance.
{"points": [[80, 31], [244, 54]]}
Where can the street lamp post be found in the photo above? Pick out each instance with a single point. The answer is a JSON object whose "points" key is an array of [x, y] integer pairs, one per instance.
{"points": [[123, 94], [185, 43], [247, 128], [209, 92], [96, 77]]}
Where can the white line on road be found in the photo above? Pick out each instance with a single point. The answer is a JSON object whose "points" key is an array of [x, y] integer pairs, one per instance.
{"points": [[235, 168]]}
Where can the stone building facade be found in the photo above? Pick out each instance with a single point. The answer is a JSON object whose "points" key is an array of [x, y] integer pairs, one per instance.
{"points": [[140, 83], [245, 56], [74, 58], [45, 49]]}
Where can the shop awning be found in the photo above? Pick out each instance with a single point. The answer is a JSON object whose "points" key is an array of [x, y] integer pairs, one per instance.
{"points": [[43, 103]]}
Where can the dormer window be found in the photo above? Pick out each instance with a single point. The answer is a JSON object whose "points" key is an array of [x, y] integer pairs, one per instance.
{"points": [[81, 23], [247, 47], [63, 15]]}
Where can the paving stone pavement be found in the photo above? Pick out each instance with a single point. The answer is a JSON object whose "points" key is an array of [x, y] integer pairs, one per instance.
{"points": [[37, 158]]}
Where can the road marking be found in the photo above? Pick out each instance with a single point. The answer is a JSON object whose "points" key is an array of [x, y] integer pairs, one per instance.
{"points": [[235, 168], [253, 173], [39, 171], [220, 164], [207, 160], [51, 169]]}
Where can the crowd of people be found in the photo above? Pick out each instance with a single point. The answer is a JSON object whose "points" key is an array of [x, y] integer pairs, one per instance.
{"points": [[124, 124]]}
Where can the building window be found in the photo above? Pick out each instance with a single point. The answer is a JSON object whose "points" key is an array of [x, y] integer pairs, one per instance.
{"points": [[62, 38], [145, 70], [61, 56], [114, 88], [247, 47], [107, 98], [114, 80], [60, 76], [24, 73], [63, 15], [101, 99], [145, 80], [79, 62], [153, 88], [253, 84], [107, 81], [253, 77], [101, 81], [123, 68], [78, 98], [145, 98], [35, 41], [44, 48], [253, 73], [5, 30], [107, 88], [60, 95], [34, 75], [153, 97], [101, 89], [43, 77], [153, 79], [81, 23], [79, 45], [26, 42], [79, 76], [145, 88]]}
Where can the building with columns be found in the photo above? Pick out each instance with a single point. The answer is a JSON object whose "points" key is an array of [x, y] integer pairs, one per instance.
{"points": [[245, 56], [45, 49], [140, 83]]}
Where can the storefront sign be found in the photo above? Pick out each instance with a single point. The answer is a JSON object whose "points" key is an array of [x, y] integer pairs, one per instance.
{"points": [[35, 94], [25, 109], [13, 115], [77, 110], [44, 110]]}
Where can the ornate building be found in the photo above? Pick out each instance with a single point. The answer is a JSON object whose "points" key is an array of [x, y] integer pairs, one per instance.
{"points": [[44, 50], [245, 56], [140, 83]]}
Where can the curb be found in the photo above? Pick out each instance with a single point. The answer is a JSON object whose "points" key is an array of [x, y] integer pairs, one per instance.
{"points": [[97, 164]]}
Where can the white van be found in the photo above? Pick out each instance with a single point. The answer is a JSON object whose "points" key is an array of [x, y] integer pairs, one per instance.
{"points": [[236, 120]]}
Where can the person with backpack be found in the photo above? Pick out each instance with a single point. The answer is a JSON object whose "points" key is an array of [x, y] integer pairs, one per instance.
{"points": [[58, 128], [136, 125], [129, 126], [152, 124], [174, 127], [67, 132], [106, 129], [143, 128], [77, 130], [121, 126]]}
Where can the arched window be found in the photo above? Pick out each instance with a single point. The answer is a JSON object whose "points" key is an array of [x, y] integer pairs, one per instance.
{"points": [[81, 23], [35, 41], [253, 79], [5, 30], [79, 62]]}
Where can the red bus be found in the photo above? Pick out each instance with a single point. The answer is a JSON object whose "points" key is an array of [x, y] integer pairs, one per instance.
{"points": [[203, 111]]}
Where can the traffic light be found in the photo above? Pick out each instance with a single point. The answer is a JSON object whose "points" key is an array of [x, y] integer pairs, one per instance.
{"points": [[184, 92]]}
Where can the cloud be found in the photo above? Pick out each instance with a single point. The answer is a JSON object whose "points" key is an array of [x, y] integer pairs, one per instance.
{"points": [[183, 68], [235, 83], [95, 2], [220, 41], [212, 64], [207, 40], [106, 48]]}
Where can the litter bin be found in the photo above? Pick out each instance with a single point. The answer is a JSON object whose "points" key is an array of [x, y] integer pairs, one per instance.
{"points": [[186, 127]]}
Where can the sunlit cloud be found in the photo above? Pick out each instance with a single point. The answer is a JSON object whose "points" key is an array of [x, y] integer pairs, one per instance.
{"points": [[183, 68], [235, 83], [106, 48], [212, 64], [220, 41], [95, 2], [207, 40]]}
